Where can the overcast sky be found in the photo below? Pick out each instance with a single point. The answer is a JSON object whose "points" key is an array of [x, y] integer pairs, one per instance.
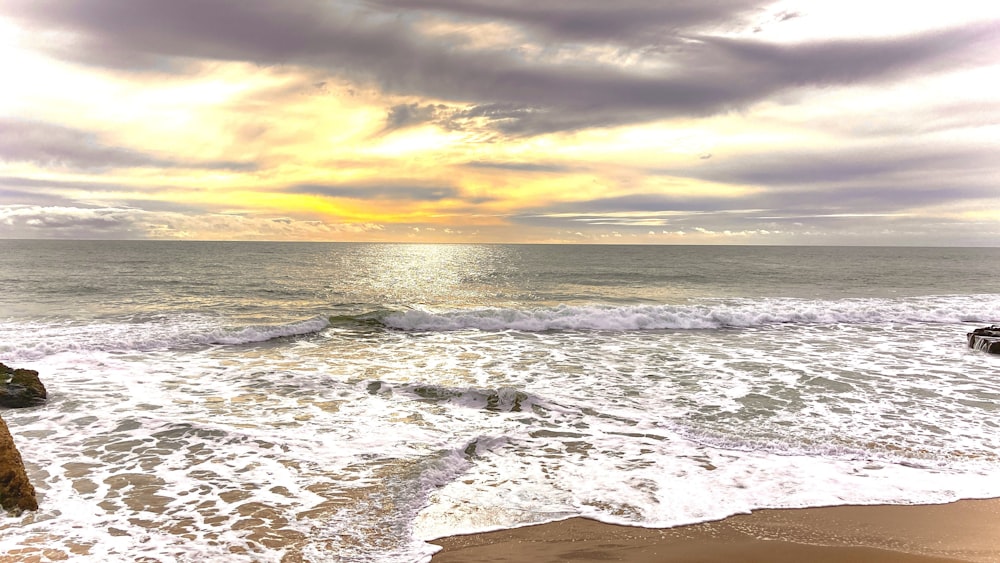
{"points": [[632, 121]]}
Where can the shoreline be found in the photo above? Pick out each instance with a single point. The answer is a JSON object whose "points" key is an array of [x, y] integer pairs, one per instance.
{"points": [[965, 530]]}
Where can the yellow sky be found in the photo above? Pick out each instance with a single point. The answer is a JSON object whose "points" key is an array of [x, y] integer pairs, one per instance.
{"points": [[225, 146]]}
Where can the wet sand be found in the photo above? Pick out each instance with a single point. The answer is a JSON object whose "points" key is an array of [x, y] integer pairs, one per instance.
{"points": [[967, 530]]}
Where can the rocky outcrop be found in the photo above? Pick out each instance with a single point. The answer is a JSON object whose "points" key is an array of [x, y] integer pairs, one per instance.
{"points": [[16, 492], [986, 339], [20, 388]]}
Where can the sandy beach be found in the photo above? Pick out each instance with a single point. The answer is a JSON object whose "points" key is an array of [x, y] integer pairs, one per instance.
{"points": [[967, 530]]}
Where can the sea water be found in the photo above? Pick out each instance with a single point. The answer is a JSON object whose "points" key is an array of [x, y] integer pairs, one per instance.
{"points": [[349, 402]]}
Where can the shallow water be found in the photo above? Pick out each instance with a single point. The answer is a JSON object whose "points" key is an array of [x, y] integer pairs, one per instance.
{"points": [[328, 402]]}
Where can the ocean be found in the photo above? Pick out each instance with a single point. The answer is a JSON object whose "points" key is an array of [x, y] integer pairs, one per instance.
{"points": [[251, 401]]}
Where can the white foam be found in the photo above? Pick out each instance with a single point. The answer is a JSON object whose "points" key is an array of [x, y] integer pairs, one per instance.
{"points": [[380, 441], [665, 480], [706, 314], [35, 340]]}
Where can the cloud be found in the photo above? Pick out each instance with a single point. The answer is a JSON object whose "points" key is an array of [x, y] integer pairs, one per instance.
{"points": [[50, 145], [744, 227], [19, 221], [75, 192], [889, 125], [407, 115], [520, 166], [840, 185], [84, 185], [10, 196], [36, 221], [68, 193], [559, 89], [662, 209], [890, 164], [625, 21], [648, 202], [842, 61], [378, 191]]}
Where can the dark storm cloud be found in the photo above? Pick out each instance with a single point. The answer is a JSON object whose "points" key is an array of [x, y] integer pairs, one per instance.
{"points": [[718, 74], [47, 144], [652, 203], [525, 121], [862, 199], [823, 189], [893, 179], [925, 164], [890, 166], [68, 222], [85, 185], [168, 206], [20, 197], [817, 203], [377, 191], [97, 221], [833, 62], [498, 116], [521, 120], [14, 190], [407, 115], [625, 21]]}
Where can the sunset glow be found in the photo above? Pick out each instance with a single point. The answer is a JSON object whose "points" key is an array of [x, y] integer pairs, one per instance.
{"points": [[466, 121]]}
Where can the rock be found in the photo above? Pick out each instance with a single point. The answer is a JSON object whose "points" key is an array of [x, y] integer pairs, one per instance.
{"points": [[20, 388], [986, 339], [16, 492]]}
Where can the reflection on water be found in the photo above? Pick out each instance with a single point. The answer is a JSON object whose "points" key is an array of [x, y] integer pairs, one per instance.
{"points": [[174, 434], [427, 274], [466, 275]]}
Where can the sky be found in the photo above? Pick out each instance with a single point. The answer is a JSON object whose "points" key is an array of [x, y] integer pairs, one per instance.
{"points": [[539, 121]]}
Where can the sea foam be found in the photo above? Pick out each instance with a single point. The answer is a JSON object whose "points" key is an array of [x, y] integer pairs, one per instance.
{"points": [[708, 314], [33, 341]]}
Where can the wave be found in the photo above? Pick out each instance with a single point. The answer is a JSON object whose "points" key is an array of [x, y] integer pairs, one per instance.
{"points": [[263, 333], [34, 341], [705, 315]]}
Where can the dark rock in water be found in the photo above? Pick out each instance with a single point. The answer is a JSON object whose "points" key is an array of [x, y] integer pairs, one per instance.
{"points": [[20, 388], [16, 492], [986, 339]]}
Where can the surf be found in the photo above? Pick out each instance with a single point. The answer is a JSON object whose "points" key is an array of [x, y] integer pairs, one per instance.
{"points": [[707, 314]]}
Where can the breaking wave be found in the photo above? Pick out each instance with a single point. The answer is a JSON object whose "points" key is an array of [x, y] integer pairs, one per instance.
{"points": [[706, 315], [35, 341]]}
